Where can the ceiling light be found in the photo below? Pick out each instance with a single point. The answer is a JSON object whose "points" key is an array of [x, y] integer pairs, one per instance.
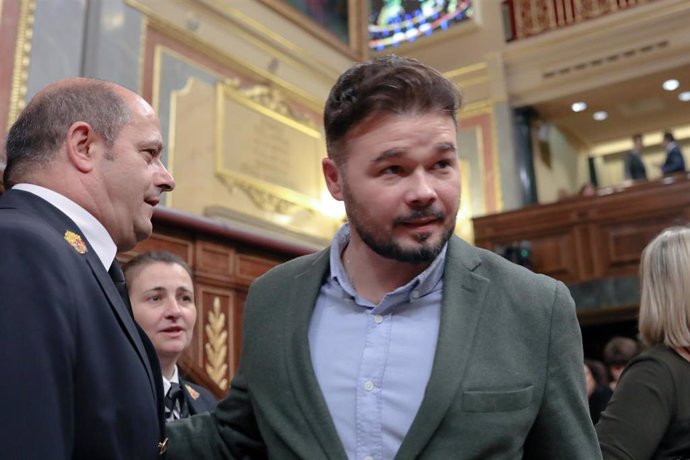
{"points": [[600, 115], [578, 106], [670, 85], [684, 96]]}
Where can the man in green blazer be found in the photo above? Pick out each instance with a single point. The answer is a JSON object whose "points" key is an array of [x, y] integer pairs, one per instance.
{"points": [[399, 340]]}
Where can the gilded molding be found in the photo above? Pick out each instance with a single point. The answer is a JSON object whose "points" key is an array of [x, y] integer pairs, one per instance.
{"points": [[486, 108], [22, 59], [263, 199], [465, 70], [216, 54], [271, 103], [142, 53], [272, 99], [216, 348]]}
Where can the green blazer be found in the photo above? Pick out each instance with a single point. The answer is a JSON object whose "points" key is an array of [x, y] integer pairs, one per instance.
{"points": [[507, 379]]}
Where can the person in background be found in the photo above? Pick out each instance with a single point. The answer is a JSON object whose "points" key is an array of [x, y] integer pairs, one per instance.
{"points": [[162, 296], [674, 161], [649, 413], [617, 353], [399, 340], [598, 390], [79, 379], [633, 167]]}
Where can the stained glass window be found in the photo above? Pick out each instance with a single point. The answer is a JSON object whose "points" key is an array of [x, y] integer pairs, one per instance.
{"points": [[392, 22]]}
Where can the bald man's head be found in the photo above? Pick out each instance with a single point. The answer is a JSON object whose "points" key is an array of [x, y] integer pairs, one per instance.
{"points": [[39, 132]]}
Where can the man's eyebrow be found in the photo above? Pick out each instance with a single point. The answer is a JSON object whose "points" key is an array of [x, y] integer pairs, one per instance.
{"points": [[388, 154]]}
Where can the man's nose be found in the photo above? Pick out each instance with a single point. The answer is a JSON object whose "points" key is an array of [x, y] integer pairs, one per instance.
{"points": [[164, 179], [421, 190]]}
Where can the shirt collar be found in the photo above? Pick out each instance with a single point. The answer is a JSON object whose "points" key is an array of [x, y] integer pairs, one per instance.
{"points": [[93, 230], [422, 284], [175, 378]]}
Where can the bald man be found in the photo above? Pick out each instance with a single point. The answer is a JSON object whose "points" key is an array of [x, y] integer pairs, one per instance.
{"points": [[79, 378]]}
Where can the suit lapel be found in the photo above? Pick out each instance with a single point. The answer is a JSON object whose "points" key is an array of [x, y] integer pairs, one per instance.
{"points": [[122, 314], [301, 301], [463, 299]]}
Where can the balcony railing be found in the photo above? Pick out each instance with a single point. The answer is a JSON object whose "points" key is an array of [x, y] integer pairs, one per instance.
{"points": [[526, 18]]}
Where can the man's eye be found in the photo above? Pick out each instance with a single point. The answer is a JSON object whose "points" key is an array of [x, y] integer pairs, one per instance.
{"points": [[392, 170]]}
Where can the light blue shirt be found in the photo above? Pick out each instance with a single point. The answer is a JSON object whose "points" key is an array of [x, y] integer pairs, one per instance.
{"points": [[373, 362]]}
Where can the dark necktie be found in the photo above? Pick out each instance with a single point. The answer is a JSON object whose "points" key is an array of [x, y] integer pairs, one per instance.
{"points": [[118, 278], [175, 399]]}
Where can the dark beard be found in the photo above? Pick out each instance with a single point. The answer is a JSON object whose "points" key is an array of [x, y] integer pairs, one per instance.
{"points": [[392, 250]]}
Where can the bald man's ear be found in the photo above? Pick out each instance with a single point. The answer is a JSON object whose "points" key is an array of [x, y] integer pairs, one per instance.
{"points": [[82, 145], [334, 181]]}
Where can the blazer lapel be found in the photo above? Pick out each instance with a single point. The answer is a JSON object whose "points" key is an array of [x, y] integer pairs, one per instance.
{"points": [[122, 314], [301, 299], [463, 299]]}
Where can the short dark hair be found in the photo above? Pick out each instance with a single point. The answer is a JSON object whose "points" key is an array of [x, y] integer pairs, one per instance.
{"points": [[637, 137], [598, 370], [389, 84], [40, 130], [145, 259], [619, 350], [668, 136]]}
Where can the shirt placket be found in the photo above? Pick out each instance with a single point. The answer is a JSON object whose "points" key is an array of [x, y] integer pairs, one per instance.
{"points": [[369, 386]]}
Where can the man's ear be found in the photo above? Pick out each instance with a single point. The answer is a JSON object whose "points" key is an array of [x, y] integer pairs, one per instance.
{"points": [[334, 181], [82, 144]]}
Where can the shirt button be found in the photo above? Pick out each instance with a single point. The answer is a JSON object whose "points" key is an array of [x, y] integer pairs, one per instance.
{"points": [[378, 319], [368, 385], [368, 457], [415, 294]]}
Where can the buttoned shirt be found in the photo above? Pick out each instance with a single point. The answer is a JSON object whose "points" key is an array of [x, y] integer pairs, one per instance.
{"points": [[94, 232], [373, 362]]}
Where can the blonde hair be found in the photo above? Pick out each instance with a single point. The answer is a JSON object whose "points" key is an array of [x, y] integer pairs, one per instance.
{"points": [[665, 300]]}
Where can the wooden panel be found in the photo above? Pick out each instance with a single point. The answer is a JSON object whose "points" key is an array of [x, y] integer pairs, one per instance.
{"points": [[250, 267], [159, 242], [215, 260], [554, 255], [625, 242], [586, 238]]}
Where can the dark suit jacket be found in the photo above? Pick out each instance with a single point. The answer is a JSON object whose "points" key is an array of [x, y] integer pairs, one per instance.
{"points": [[198, 398], [634, 167], [674, 161], [76, 378], [507, 380]]}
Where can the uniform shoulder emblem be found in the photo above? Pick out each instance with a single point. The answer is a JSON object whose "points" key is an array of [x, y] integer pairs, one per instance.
{"points": [[75, 241], [192, 392]]}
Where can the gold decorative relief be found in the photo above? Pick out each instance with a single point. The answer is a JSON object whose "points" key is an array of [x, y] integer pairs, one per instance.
{"points": [[270, 97], [216, 348], [21, 59], [267, 149], [261, 198]]}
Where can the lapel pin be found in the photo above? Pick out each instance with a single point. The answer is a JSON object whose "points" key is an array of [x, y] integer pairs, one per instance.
{"points": [[192, 392], [75, 241]]}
